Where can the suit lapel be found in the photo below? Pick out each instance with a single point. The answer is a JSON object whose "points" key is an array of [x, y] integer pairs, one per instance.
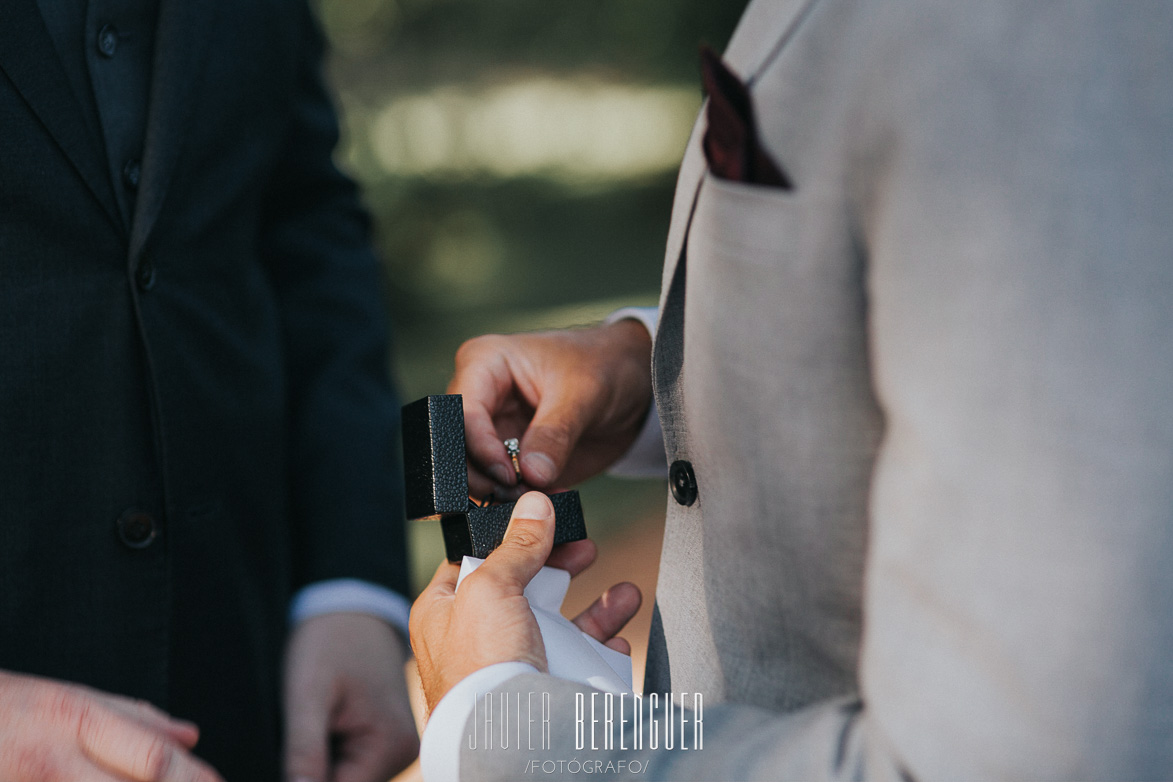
{"points": [[181, 43], [764, 29], [29, 58], [762, 32]]}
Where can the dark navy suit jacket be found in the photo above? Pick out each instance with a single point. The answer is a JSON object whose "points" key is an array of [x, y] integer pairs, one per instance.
{"points": [[195, 414]]}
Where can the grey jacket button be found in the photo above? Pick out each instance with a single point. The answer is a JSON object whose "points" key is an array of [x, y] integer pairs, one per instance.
{"points": [[683, 482], [137, 529]]}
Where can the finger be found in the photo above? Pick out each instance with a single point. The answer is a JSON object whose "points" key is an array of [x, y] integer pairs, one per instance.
{"points": [[509, 493], [185, 768], [557, 425], [377, 754], [53, 760], [573, 557], [526, 546], [484, 384], [123, 746], [618, 644], [441, 589], [484, 444], [480, 484], [607, 615], [78, 766], [361, 758], [185, 733], [443, 580], [307, 725]]}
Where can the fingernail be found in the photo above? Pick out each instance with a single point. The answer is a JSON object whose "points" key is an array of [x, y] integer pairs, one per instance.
{"points": [[533, 505], [540, 466], [502, 474]]}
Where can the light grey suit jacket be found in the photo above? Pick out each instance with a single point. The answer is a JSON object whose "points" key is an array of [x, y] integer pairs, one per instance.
{"points": [[928, 399]]}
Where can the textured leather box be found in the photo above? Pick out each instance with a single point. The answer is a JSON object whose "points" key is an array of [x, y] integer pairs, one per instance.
{"points": [[436, 483]]}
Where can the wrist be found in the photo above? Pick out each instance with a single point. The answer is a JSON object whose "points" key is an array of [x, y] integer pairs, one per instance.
{"points": [[632, 337], [630, 344]]}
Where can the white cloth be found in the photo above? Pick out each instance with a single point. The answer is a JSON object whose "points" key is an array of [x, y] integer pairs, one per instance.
{"points": [[570, 654]]}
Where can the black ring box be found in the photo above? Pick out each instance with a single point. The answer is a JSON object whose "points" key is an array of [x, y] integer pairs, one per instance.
{"points": [[436, 483]]}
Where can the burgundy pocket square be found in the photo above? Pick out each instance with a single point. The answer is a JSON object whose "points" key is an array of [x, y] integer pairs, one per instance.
{"points": [[731, 140]]}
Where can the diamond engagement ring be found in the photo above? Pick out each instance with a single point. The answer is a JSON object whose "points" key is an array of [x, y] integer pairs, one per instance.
{"points": [[513, 448]]}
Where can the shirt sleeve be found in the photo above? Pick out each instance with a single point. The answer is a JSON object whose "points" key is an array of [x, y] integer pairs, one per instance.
{"points": [[350, 595], [442, 739]]}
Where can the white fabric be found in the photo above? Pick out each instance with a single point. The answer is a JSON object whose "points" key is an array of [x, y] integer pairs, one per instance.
{"points": [[570, 653], [645, 458], [350, 595]]}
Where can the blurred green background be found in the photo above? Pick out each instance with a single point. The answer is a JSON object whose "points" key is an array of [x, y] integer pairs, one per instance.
{"points": [[519, 158]]}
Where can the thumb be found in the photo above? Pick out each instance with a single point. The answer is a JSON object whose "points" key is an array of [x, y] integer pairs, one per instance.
{"points": [[306, 728], [526, 546], [553, 434]]}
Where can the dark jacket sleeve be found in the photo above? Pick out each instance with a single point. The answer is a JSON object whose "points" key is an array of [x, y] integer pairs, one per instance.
{"points": [[346, 501]]}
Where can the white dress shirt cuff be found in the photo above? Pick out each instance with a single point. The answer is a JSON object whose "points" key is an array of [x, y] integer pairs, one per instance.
{"points": [[443, 736], [350, 595], [645, 458]]}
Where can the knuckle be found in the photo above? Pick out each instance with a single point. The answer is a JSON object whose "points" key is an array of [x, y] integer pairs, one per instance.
{"points": [[557, 434], [478, 584], [470, 349], [36, 761], [91, 725], [525, 536], [155, 759], [62, 705]]}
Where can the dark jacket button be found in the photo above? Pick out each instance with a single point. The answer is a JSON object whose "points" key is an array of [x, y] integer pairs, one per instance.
{"points": [[683, 482], [144, 275], [131, 173], [137, 529], [108, 40]]}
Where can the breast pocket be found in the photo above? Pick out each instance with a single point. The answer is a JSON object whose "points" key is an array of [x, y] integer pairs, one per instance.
{"points": [[774, 306], [745, 259]]}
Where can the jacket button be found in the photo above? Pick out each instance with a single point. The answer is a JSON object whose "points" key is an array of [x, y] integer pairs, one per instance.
{"points": [[683, 482], [137, 529], [131, 173], [144, 275], [108, 40]]}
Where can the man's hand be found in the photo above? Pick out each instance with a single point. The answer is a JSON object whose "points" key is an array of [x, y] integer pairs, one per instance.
{"points": [[575, 398], [489, 621], [347, 714], [55, 731]]}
